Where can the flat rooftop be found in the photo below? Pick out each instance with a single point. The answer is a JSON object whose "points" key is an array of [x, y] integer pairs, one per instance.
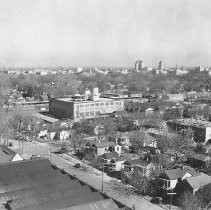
{"points": [[193, 122], [84, 101]]}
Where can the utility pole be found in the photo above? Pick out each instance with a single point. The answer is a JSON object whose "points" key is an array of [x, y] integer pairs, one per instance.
{"points": [[171, 194], [50, 151], [102, 176]]}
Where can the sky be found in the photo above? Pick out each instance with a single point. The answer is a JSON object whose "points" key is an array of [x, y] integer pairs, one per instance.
{"points": [[105, 32]]}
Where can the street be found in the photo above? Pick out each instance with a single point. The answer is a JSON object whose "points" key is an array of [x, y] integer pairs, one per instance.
{"points": [[111, 187]]}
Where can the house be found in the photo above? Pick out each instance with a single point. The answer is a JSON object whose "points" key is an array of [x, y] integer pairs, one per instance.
{"points": [[141, 165], [173, 155], [116, 164], [199, 161], [100, 148], [59, 133], [107, 157], [193, 183], [176, 97], [150, 141], [169, 178], [8, 155], [124, 140]]}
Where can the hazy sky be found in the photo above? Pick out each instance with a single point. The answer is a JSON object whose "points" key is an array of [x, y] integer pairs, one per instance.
{"points": [[105, 32]]}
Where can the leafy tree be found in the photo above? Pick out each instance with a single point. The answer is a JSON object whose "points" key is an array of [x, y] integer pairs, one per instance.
{"points": [[124, 124], [200, 149], [64, 148], [24, 124], [83, 127], [171, 114], [188, 201], [5, 127], [140, 182], [77, 141], [109, 127], [188, 140], [137, 139]]}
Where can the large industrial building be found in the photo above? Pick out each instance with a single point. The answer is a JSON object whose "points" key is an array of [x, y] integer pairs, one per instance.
{"points": [[86, 106]]}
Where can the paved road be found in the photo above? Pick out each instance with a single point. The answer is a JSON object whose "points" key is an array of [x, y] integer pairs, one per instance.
{"points": [[110, 187]]}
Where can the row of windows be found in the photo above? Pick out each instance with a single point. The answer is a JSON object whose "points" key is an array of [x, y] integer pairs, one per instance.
{"points": [[100, 104], [88, 114]]}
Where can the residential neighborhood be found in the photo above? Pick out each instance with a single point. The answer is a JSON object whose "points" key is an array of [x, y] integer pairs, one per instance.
{"points": [[105, 105]]}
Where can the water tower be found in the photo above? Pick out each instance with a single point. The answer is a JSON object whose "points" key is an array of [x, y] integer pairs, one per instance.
{"points": [[95, 94]]}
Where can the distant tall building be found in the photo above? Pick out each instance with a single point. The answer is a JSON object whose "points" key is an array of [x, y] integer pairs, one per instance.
{"points": [[160, 66], [139, 65]]}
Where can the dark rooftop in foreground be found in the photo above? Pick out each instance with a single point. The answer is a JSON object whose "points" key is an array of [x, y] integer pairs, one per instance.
{"points": [[35, 184]]}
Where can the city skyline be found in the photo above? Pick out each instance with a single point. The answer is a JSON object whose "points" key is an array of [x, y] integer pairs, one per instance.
{"points": [[104, 33]]}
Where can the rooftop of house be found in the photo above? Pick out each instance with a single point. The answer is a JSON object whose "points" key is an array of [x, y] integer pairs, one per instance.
{"points": [[200, 157], [119, 159], [199, 180], [104, 144], [6, 154], [192, 122], [36, 185], [176, 173], [109, 156], [137, 162]]}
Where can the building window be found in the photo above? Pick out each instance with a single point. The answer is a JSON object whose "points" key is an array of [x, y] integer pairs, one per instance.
{"points": [[87, 104], [112, 103], [105, 149], [87, 114], [81, 105], [81, 114], [107, 104], [117, 148], [92, 104], [101, 104], [92, 113], [97, 104]]}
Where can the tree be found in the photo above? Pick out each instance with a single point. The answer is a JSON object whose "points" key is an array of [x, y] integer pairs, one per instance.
{"points": [[64, 148], [77, 141], [137, 140], [139, 182], [109, 127], [124, 124], [200, 149], [83, 127], [5, 127], [171, 114], [24, 124], [188, 140], [188, 201]]}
